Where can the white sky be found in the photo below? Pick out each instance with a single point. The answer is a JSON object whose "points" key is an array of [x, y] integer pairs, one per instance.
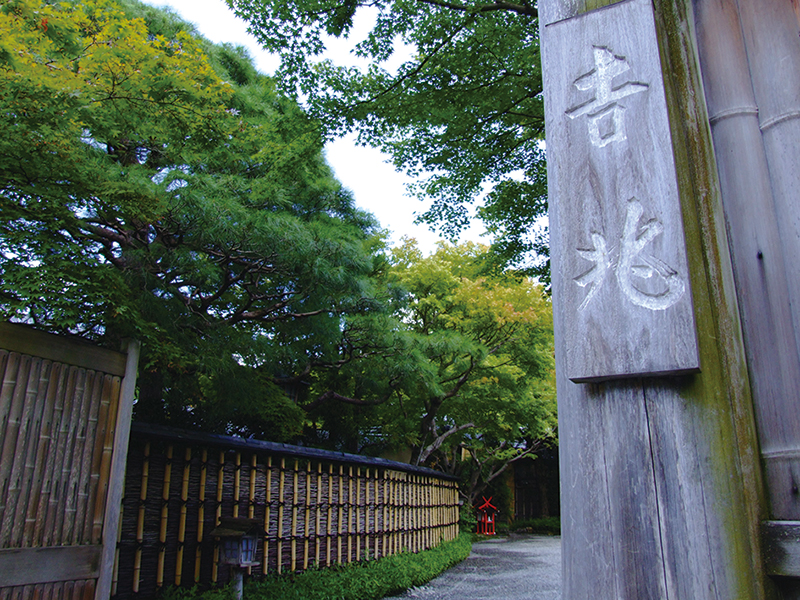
{"points": [[366, 172]]}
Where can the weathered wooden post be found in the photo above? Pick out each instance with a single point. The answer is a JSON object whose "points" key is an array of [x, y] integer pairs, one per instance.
{"points": [[662, 495]]}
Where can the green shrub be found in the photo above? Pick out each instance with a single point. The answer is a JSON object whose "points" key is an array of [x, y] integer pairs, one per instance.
{"points": [[366, 580], [467, 520], [546, 525]]}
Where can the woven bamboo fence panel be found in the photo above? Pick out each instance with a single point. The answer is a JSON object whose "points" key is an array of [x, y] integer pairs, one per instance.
{"points": [[317, 508], [60, 415]]}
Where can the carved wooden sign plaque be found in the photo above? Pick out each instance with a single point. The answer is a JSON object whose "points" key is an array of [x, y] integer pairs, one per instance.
{"points": [[621, 289]]}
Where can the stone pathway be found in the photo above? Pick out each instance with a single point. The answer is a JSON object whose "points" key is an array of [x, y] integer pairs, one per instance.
{"points": [[514, 568]]}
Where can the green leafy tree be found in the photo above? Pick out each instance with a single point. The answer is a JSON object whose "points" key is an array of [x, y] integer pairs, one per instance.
{"points": [[464, 377], [464, 111], [155, 186]]}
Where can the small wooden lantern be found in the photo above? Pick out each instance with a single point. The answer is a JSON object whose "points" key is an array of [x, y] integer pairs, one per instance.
{"points": [[487, 515], [237, 545]]}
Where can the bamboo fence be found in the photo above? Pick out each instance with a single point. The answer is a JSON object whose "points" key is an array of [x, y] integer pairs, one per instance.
{"points": [[64, 408], [318, 508]]}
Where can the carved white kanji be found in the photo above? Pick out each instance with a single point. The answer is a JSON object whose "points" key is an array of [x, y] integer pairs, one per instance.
{"points": [[603, 105], [631, 263]]}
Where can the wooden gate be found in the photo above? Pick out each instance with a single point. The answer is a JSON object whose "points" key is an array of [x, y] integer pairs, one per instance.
{"points": [[65, 408]]}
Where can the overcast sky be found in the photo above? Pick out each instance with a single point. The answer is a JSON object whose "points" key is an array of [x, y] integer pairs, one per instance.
{"points": [[376, 185]]}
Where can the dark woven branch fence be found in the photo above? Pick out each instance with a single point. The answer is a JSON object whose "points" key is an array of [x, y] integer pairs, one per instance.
{"points": [[318, 508]]}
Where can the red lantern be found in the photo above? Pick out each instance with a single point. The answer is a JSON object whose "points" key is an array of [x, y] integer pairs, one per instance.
{"points": [[487, 514]]}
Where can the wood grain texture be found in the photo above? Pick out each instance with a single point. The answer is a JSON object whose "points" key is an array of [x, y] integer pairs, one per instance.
{"points": [[620, 273], [25, 340], [26, 566], [661, 486]]}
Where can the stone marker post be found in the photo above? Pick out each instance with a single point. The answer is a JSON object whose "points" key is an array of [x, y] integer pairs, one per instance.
{"points": [[661, 487]]}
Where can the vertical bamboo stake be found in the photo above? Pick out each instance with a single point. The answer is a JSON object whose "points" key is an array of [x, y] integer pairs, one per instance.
{"points": [[201, 513], [295, 492], [414, 515], [182, 520], [317, 509], [376, 509], [404, 512], [251, 496], [350, 514], [281, 489], [395, 522], [340, 520], [268, 502], [361, 512], [390, 513], [330, 514], [237, 484], [220, 483], [385, 524], [366, 513], [306, 516], [137, 558], [162, 534], [430, 516]]}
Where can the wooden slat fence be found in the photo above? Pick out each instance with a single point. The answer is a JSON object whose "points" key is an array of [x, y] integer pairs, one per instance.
{"points": [[318, 508], [65, 408]]}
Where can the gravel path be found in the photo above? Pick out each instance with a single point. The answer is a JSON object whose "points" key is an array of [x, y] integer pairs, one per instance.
{"points": [[515, 568]]}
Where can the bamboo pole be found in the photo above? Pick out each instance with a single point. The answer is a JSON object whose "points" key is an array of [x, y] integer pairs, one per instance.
{"points": [[429, 516], [201, 513], [318, 515], [56, 399], [187, 463], [295, 492], [385, 524], [64, 507], [281, 490], [108, 417], [218, 513], [376, 510], [137, 559], [251, 495], [415, 543], [307, 516], [362, 512], [350, 514], [251, 505], [53, 511], [267, 511], [34, 459], [395, 514], [162, 532], [340, 520], [330, 515], [86, 455], [237, 484], [15, 457]]}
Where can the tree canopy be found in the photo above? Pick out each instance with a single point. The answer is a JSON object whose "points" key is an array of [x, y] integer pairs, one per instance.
{"points": [[465, 110], [154, 185], [468, 381], [158, 187]]}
